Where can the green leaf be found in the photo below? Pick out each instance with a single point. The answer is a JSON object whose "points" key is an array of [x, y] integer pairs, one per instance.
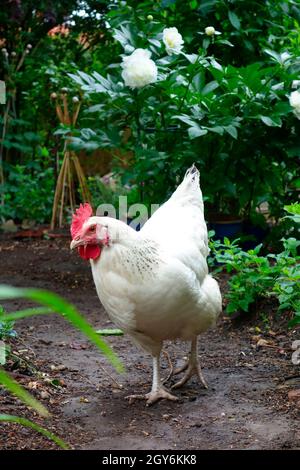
{"points": [[124, 36], [216, 64], [224, 41], [28, 312], [231, 308], [110, 332], [192, 58], [154, 42], [103, 81], [293, 208], [209, 87], [29, 424], [61, 306], [234, 20], [20, 392], [274, 55], [271, 122], [295, 321], [231, 130], [216, 129], [186, 119], [196, 131]]}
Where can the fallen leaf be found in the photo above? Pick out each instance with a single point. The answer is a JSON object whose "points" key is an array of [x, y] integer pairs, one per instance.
{"points": [[33, 385], [272, 333], [77, 346], [250, 366], [263, 342], [256, 338], [294, 395], [84, 400], [60, 367]]}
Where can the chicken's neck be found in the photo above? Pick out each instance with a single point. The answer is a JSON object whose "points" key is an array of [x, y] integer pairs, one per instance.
{"points": [[128, 251]]}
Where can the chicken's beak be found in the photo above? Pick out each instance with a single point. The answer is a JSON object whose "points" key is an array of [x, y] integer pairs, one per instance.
{"points": [[75, 243]]}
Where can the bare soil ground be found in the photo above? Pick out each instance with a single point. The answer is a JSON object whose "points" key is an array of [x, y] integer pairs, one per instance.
{"points": [[246, 406]]}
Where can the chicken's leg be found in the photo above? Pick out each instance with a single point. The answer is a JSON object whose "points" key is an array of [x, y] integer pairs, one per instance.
{"points": [[192, 367], [158, 391]]}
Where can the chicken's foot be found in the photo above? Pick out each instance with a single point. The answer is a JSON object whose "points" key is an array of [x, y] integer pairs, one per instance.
{"points": [[192, 367], [158, 391]]}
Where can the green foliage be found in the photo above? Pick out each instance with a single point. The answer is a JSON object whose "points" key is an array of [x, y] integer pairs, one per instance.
{"points": [[254, 276], [34, 64], [294, 211], [6, 332], [6, 327], [222, 103], [28, 193]]}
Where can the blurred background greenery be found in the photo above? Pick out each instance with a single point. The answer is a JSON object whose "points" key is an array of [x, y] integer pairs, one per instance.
{"points": [[222, 103]]}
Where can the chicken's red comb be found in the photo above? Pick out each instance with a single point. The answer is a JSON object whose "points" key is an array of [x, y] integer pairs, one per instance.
{"points": [[83, 213]]}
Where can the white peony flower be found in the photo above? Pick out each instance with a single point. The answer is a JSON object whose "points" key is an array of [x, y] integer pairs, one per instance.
{"points": [[295, 102], [210, 31], [138, 69], [172, 40]]}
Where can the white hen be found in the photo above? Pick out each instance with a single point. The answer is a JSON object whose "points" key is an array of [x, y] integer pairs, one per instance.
{"points": [[154, 284]]}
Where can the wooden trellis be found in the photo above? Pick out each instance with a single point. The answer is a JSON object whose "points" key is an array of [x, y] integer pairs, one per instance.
{"points": [[71, 172]]}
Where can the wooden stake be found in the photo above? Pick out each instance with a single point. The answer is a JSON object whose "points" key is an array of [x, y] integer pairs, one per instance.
{"points": [[70, 171]]}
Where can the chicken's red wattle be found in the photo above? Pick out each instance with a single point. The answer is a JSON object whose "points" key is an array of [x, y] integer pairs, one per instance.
{"points": [[89, 251]]}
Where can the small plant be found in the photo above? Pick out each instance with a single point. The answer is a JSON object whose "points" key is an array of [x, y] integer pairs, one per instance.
{"points": [[294, 212], [6, 328], [27, 193], [255, 276], [6, 331]]}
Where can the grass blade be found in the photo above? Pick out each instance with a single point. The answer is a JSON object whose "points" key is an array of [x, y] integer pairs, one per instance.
{"points": [[59, 305], [36, 427], [13, 386], [28, 312]]}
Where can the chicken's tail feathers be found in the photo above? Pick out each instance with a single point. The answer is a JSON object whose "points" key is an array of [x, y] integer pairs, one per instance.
{"points": [[189, 188], [193, 174]]}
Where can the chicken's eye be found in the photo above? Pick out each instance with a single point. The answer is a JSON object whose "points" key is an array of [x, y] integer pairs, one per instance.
{"points": [[93, 228]]}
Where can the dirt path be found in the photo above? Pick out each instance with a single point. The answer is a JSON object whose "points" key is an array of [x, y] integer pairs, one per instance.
{"points": [[246, 406]]}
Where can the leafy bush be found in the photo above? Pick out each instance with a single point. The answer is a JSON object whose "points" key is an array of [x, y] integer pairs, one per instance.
{"points": [[254, 276], [28, 193], [222, 102]]}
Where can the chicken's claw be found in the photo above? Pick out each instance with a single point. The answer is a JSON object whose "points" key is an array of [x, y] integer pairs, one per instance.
{"points": [[153, 396], [191, 370]]}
